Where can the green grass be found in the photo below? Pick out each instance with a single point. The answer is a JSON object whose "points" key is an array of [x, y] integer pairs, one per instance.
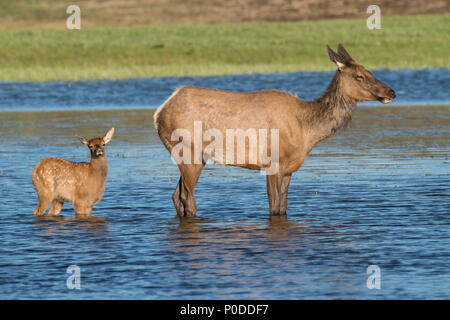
{"points": [[175, 50]]}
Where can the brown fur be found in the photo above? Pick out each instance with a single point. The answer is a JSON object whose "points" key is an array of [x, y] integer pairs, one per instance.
{"points": [[301, 124], [57, 180]]}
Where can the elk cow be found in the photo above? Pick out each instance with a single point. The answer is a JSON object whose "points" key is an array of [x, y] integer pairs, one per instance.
{"points": [[300, 125]]}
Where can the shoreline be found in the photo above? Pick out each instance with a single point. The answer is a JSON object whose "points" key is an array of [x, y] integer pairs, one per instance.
{"points": [[165, 77]]}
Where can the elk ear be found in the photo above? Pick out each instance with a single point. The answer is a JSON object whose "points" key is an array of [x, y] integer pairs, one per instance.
{"points": [[83, 140], [108, 136], [343, 53], [336, 59]]}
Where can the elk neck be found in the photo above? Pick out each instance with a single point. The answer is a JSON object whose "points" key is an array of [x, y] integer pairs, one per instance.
{"points": [[330, 112]]}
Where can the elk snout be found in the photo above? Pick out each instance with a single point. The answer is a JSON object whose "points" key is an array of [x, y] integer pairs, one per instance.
{"points": [[98, 151], [387, 97]]}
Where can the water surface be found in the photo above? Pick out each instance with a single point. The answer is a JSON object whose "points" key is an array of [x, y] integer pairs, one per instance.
{"points": [[377, 193], [412, 86]]}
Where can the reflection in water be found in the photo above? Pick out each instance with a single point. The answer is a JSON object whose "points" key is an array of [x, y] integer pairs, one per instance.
{"points": [[191, 230], [193, 235], [53, 225], [282, 227], [278, 252]]}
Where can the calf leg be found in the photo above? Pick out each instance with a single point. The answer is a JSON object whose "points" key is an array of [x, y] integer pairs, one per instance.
{"points": [[55, 208], [81, 209], [42, 204]]}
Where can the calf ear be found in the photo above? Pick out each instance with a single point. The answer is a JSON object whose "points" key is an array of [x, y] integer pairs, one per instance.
{"points": [[336, 58], [83, 140], [108, 136]]}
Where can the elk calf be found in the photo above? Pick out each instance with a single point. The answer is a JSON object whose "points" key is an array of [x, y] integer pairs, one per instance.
{"points": [[57, 180]]}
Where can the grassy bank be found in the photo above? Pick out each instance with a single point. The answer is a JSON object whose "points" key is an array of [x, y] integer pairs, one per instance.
{"points": [[175, 50], [51, 14]]}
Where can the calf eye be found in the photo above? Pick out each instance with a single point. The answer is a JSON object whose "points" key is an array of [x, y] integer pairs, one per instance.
{"points": [[359, 77]]}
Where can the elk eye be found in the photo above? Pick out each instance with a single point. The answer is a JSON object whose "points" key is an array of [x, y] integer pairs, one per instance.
{"points": [[359, 77]]}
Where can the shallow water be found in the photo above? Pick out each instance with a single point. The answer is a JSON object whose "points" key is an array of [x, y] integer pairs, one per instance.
{"points": [[377, 193], [412, 86]]}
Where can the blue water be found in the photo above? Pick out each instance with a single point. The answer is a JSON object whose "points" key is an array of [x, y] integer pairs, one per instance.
{"points": [[413, 87], [377, 193]]}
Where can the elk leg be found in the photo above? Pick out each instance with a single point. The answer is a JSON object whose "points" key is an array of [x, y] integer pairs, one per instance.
{"points": [[42, 205], [284, 193], [184, 195], [274, 183], [176, 198], [55, 208]]}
